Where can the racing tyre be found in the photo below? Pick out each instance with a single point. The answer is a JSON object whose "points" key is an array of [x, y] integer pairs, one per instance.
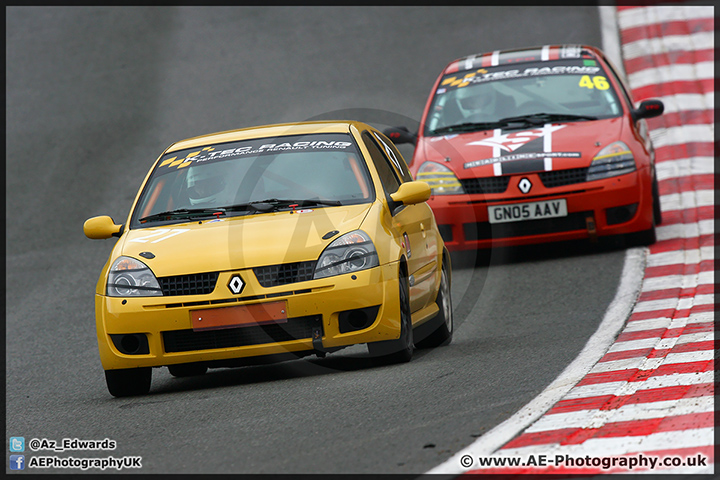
{"points": [[642, 239], [187, 370], [649, 236], [657, 212], [128, 381], [443, 321], [400, 350]]}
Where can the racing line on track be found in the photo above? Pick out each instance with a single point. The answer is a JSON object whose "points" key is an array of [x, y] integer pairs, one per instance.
{"points": [[651, 394]]}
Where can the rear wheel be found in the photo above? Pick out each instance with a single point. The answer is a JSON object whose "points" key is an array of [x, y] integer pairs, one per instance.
{"points": [[443, 321], [400, 350], [128, 381], [187, 370]]}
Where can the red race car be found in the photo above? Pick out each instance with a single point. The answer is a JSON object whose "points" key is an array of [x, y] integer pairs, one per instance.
{"points": [[536, 145]]}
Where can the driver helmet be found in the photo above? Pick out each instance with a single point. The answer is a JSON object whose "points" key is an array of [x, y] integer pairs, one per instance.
{"points": [[206, 183], [474, 101]]}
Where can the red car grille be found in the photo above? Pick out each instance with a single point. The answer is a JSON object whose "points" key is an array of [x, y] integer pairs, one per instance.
{"points": [[558, 178], [485, 184]]}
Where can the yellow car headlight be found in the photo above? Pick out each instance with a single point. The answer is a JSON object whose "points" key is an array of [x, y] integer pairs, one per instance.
{"points": [[441, 179], [129, 277], [615, 159], [352, 252]]}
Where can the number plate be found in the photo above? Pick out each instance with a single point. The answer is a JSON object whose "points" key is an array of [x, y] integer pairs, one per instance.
{"points": [[527, 211], [239, 316]]}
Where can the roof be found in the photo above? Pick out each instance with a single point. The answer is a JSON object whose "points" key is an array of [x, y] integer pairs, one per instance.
{"points": [[521, 55], [276, 130]]}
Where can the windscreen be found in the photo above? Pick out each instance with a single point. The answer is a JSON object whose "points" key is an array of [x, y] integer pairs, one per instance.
{"points": [[322, 167], [565, 87]]}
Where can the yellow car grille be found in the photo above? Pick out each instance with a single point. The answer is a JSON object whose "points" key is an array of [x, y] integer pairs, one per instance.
{"points": [[193, 284], [274, 275]]}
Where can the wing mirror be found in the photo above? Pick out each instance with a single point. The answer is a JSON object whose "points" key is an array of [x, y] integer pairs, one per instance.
{"points": [[411, 193], [101, 227], [400, 135], [648, 109]]}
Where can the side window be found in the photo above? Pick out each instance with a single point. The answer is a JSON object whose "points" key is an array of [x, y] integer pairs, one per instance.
{"points": [[624, 91], [388, 175], [395, 157]]}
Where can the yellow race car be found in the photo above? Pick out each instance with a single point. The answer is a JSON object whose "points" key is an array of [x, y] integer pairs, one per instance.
{"points": [[267, 244]]}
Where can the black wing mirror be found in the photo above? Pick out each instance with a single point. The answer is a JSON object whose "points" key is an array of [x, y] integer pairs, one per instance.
{"points": [[648, 109], [400, 135]]}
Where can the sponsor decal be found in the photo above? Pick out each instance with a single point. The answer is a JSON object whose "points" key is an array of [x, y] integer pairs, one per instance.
{"points": [[570, 51], [511, 141], [253, 148], [463, 81], [522, 156], [158, 235], [482, 75], [527, 151], [444, 137]]}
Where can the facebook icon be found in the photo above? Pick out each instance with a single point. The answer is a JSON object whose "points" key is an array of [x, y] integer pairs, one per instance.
{"points": [[17, 462]]}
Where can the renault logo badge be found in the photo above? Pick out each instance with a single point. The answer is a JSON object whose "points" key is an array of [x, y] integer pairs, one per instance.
{"points": [[236, 284], [525, 185]]}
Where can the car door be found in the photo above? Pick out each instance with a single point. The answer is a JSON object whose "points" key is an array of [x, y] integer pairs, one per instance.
{"points": [[414, 222]]}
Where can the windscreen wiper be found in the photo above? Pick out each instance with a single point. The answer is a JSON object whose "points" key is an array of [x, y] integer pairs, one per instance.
{"points": [[523, 120], [271, 204], [542, 117], [182, 213], [468, 127]]}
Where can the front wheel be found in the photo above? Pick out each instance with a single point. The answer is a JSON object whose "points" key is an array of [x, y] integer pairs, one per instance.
{"points": [[641, 239], [400, 350], [649, 236], [128, 381]]}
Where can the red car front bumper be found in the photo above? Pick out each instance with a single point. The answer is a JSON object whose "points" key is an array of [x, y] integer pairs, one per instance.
{"points": [[612, 206]]}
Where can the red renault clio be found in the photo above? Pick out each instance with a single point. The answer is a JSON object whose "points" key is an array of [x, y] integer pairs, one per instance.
{"points": [[536, 145]]}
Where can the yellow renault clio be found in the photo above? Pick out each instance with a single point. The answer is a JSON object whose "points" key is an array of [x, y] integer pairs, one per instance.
{"points": [[268, 244]]}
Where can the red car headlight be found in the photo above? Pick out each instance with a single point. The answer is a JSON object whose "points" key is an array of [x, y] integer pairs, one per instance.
{"points": [[615, 159], [441, 179]]}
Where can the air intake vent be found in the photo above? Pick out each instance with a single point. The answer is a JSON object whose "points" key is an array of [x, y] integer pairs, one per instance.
{"points": [[194, 284], [486, 184], [558, 178], [274, 275]]}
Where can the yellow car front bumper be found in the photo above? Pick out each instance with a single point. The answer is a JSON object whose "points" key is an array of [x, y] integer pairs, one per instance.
{"points": [[343, 310]]}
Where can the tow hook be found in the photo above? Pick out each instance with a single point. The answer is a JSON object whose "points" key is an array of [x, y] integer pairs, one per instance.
{"points": [[317, 342], [592, 230]]}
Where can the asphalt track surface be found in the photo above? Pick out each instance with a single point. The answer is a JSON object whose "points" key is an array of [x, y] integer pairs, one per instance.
{"points": [[95, 94]]}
